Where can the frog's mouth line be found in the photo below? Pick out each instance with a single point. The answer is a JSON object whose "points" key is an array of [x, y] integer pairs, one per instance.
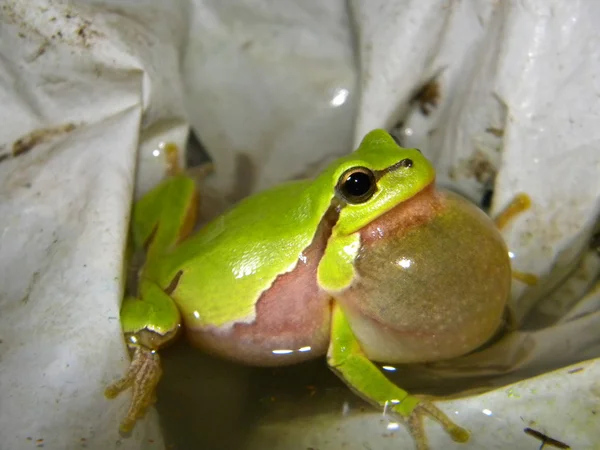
{"points": [[381, 173]]}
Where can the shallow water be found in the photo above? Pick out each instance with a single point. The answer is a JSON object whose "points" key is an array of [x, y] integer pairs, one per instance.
{"points": [[208, 403]]}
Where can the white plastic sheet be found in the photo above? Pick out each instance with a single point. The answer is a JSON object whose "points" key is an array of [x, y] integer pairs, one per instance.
{"points": [[272, 89]]}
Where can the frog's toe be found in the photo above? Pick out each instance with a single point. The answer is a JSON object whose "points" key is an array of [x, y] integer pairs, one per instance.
{"points": [[414, 421], [142, 376], [458, 434]]}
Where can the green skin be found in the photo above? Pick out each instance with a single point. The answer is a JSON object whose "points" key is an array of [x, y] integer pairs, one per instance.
{"points": [[299, 271]]}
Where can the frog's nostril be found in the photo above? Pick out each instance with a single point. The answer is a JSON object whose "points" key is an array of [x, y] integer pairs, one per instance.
{"points": [[406, 163]]}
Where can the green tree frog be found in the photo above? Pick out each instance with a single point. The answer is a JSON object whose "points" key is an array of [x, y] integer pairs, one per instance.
{"points": [[365, 263]]}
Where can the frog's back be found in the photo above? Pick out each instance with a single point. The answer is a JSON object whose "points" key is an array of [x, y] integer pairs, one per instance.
{"points": [[237, 256]]}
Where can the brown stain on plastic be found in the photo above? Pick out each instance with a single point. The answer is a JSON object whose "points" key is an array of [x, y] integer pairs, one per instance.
{"points": [[39, 136], [546, 440]]}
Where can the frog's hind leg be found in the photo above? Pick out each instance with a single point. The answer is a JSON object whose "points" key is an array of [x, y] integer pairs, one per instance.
{"points": [[517, 206], [150, 320], [149, 323], [165, 215], [172, 157], [347, 360], [168, 213], [142, 377]]}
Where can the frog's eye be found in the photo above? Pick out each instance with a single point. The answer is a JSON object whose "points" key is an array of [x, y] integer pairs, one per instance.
{"points": [[357, 185]]}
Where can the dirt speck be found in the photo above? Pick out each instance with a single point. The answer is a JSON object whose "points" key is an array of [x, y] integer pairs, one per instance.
{"points": [[34, 279], [498, 132], [40, 51], [428, 95], [547, 441], [477, 166], [58, 24], [85, 33]]}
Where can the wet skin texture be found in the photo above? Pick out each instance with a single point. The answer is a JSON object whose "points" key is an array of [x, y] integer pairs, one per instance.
{"points": [[365, 262], [425, 291]]}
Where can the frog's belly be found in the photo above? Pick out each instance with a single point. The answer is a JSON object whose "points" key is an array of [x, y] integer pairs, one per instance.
{"points": [[292, 320], [288, 329], [433, 292]]}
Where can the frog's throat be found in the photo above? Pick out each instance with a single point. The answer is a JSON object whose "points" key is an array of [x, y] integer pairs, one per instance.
{"points": [[420, 209]]}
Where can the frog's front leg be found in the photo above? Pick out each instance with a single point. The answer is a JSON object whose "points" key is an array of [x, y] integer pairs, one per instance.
{"points": [[149, 322], [160, 220], [347, 359]]}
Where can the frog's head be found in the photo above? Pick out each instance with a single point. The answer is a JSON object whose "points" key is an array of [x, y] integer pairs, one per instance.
{"points": [[375, 178]]}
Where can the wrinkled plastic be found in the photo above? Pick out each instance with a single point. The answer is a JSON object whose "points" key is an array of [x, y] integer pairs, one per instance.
{"points": [[275, 90]]}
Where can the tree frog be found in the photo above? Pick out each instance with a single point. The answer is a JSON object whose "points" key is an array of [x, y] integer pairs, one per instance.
{"points": [[366, 263]]}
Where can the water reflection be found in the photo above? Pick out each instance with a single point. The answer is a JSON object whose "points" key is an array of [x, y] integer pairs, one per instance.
{"points": [[389, 402], [339, 97], [345, 409], [282, 352], [287, 351], [404, 263]]}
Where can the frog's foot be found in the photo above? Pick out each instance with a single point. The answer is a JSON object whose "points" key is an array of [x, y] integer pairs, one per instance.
{"points": [[517, 206], [142, 376], [172, 156], [414, 421], [528, 278]]}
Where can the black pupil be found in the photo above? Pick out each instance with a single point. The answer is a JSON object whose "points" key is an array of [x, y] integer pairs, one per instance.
{"points": [[357, 184]]}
